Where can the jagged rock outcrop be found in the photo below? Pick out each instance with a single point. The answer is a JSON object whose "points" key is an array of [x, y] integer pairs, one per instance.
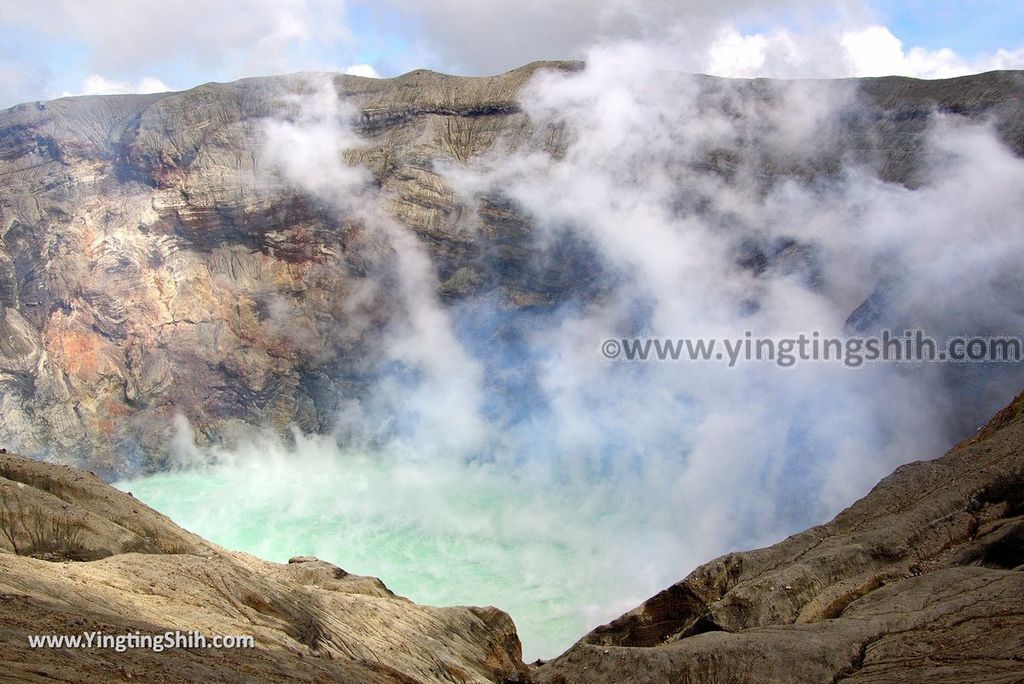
{"points": [[922, 580], [311, 620], [148, 268]]}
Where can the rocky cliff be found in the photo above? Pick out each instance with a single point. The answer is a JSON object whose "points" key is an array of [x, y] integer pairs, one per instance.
{"points": [[920, 581], [149, 268], [311, 621]]}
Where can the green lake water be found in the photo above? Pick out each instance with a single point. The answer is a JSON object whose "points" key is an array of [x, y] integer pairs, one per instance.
{"points": [[560, 560]]}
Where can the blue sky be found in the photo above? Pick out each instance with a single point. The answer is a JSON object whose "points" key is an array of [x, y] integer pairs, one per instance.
{"points": [[970, 28], [58, 47]]}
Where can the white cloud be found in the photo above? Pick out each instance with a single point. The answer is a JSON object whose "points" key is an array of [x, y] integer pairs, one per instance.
{"points": [[736, 55], [863, 52], [98, 85], [21, 81], [875, 51], [225, 40], [1007, 59], [495, 36], [364, 70], [836, 38]]}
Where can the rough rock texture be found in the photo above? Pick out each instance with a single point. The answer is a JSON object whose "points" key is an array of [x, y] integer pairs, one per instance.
{"points": [[311, 620], [149, 266], [920, 581]]}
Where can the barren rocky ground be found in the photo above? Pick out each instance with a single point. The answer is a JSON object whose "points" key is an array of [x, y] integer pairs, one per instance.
{"points": [[919, 581], [92, 558]]}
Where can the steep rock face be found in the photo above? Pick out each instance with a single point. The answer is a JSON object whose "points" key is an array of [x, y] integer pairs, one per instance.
{"points": [[146, 268], [919, 581], [150, 266], [311, 620]]}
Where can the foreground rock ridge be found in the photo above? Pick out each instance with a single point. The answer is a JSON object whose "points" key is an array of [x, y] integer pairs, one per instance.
{"points": [[78, 556], [149, 267], [922, 580]]}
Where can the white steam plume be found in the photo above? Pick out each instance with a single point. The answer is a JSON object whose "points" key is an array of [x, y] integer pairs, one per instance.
{"points": [[525, 470]]}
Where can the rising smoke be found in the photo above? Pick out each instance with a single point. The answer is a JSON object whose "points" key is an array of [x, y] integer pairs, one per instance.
{"points": [[499, 458]]}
